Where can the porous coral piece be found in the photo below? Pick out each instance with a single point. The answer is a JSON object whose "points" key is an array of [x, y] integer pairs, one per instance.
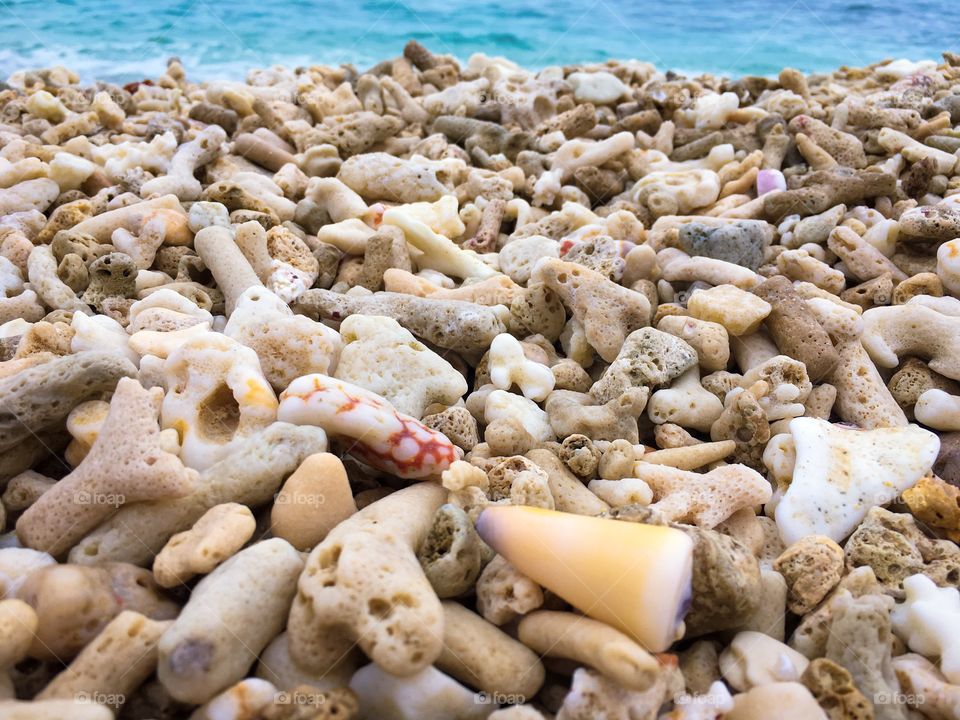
{"points": [[868, 294], [383, 357], [914, 150], [700, 666], [935, 503], [457, 424], [933, 222], [503, 592], [125, 464], [895, 548], [165, 210], [705, 499], [920, 679], [924, 283], [188, 158], [384, 251], [832, 686], [812, 567], [219, 533], [251, 193], [689, 457], [46, 337], [281, 260], [449, 324], [726, 585], [287, 345], [394, 615], [844, 148], [787, 386], [569, 494], [250, 475], [862, 396], [451, 554], [35, 194], [677, 266], [890, 333], [114, 664], [382, 436], [23, 490], [795, 330], [46, 284], [861, 259], [859, 641], [519, 256], [524, 415], [625, 491], [825, 189], [647, 358], [216, 395], [744, 421], [231, 616], [840, 474], [914, 378], [608, 312], [580, 455], [379, 176], [41, 396]]}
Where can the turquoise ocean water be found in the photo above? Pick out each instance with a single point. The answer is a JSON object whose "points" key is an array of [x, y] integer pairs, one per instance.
{"points": [[129, 40]]}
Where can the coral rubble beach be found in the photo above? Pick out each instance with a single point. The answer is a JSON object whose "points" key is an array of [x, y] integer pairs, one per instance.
{"points": [[455, 390]]}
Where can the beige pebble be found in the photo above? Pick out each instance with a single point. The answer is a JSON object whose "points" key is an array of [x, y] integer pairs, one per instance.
{"points": [[313, 501]]}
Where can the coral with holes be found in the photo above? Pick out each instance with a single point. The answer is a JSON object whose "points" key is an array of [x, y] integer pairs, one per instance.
{"points": [[125, 464], [216, 394], [363, 586]]}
